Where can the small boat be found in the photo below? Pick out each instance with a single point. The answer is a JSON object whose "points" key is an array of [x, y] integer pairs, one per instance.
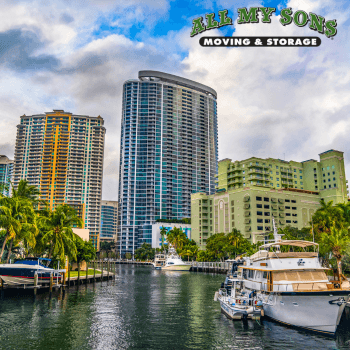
{"points": [[23, 271], [236, 302], [174, 263], [159, 261]]}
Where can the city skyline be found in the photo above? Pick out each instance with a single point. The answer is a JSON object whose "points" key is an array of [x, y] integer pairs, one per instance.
{"points": [[287, 103]]}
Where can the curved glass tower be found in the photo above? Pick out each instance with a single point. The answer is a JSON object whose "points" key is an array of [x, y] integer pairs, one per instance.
{"points": [[168, 151]]}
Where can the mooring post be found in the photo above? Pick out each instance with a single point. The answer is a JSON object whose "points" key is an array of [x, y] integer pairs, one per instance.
{"points": [[63, 280], [108, 266], [101, 261], [2, 288], [51, 283], [94, 271], [68, 276], [87, 272], [78, 273]]}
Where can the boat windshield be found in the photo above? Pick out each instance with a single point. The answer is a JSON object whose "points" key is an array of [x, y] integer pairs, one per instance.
{"points": [[34, 261]]}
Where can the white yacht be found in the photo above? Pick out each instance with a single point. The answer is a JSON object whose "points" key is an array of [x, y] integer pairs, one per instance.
{"points": [[292, 286], [159, 261], [174, 263]]}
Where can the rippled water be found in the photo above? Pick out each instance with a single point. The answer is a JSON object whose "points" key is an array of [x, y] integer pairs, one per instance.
{"points": [[145, 309]]}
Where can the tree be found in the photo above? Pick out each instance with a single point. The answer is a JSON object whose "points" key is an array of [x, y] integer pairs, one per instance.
{"points": [[163, 232], [336, 242], [145, 252], [57, 231], [85, 250], [17, 217]]}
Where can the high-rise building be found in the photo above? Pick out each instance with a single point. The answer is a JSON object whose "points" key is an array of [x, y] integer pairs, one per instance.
{"points": [[109, 221], [168, 151], [251, 191], [62, 154], [6, 172]]}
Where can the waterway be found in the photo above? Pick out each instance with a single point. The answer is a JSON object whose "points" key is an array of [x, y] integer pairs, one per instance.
{"points": [[145, 309]]}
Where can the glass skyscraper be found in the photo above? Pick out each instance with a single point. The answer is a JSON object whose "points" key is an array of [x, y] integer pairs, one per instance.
{"points": [[109, 221], [6, 172], [168, 151]]}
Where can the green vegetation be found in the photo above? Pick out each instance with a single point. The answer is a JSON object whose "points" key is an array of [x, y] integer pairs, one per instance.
{"points": [[76, 273], [107, 250], [30, 228], [145, 252]]}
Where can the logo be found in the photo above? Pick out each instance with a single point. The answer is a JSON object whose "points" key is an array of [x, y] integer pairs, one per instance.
{"points": [[300, 18]]}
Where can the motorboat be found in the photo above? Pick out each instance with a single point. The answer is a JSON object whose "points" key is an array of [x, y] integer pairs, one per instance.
{"points": [[292, 286], [159, 261], [23, 271], [236, 301], [174, 263]]}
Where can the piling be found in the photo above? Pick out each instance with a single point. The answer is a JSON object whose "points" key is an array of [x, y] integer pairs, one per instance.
{"points": [[108, 265], [51, 284], [2, 288], [68, 276], [78, 273], [94, 271], [64, 280], [87, 273], [101, 262]]}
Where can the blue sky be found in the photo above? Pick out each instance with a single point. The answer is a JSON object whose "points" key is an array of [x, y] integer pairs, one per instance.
{"points": [[272, 102]]}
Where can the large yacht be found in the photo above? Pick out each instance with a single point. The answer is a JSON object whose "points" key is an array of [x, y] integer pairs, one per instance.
{"points": [[159, 261], [292, 286]]}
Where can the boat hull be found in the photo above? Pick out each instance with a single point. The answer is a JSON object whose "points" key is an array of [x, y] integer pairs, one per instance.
{"points": [[235, 313], [314, 311], [176, 268], [24, 275]]}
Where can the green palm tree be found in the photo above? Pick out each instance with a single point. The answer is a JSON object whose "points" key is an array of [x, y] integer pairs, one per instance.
{"points": [[57, 231], [336, 242], [163, 232], [17, 217]]}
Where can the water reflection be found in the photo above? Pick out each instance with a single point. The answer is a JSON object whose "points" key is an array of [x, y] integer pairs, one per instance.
{"points": [[145, 309]]}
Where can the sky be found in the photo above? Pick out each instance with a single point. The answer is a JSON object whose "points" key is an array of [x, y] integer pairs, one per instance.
{"points": [[287, 103]]}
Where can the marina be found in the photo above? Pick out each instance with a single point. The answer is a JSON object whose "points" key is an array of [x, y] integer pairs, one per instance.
{"points": [[124, 313]]}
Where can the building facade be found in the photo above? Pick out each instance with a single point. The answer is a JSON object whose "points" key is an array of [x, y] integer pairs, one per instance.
{"points": [[109, 221], [62, 155], [156, 236], [6, 173], [168, 151], [251, 191]]}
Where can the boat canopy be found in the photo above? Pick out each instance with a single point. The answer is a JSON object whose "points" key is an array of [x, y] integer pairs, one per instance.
{"points": [[295, 243]]}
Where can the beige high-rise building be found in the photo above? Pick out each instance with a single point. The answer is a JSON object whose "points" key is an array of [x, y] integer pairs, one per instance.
{"points": [[62, 154]]}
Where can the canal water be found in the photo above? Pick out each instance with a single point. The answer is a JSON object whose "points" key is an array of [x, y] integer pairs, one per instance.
{"points": [[145, 309]]}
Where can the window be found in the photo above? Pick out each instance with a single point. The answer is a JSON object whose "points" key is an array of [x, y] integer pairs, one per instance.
{"points": [[260, 221], [329, 186], [278, 185], [267, 213], [288, 221], [315, 181], [295, 170], [260, 228], [332, 166], [259, 213], [324, 175], [287, 200], [329, 180], [266, 199], [329, 174], [333, 172], [277, 173], [259, 205], [333, 178], [295, 176], [267, 221], [259, 198], [266, 206], [244, 184], [277, 179], [287, 207], [271, 178], [324, 186], [288, 214], [314, 170], [294, 208], [294, 201], [243, 171], [301, 177], [300, 171], [316, 187], [257, 163], [276, 166], [328, 168], [295, 182], [243, 177], [334, 185], [301, 183], [324, 180]]}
